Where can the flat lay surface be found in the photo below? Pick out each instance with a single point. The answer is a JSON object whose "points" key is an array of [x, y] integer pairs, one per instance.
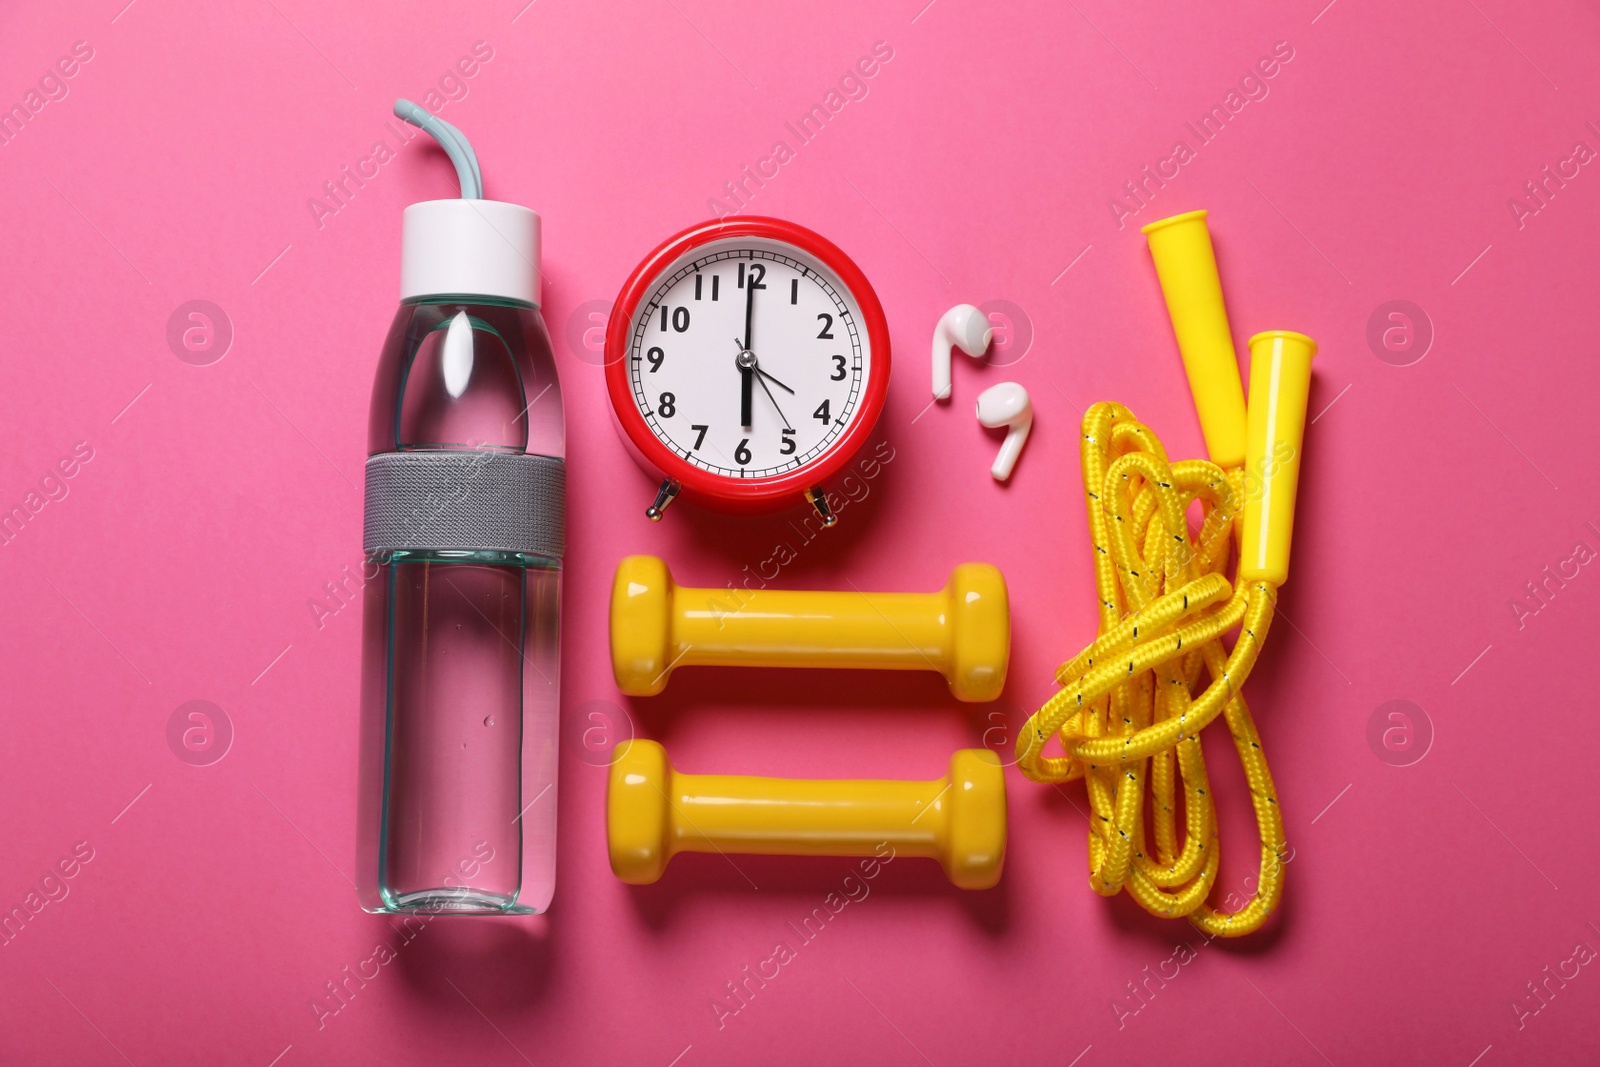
{"points": [[1410, 185]]}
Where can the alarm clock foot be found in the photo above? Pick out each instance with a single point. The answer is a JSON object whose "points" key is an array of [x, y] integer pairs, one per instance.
{"points": [[664, 496], [819, 500]]}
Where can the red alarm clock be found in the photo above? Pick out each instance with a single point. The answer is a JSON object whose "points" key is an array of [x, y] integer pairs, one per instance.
{"points": [[747, 360]]}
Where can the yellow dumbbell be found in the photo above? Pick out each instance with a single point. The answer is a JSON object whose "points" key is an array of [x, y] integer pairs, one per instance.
{"points": [[962, 631], [653, 813]]}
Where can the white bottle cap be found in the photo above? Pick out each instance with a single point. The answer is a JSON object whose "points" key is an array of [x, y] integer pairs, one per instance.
{"points": [[470, 248]]}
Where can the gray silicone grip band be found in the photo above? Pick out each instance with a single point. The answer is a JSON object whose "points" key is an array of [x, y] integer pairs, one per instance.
{"points": [[478, 500]]}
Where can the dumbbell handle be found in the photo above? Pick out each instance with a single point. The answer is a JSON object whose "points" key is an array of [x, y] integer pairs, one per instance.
{"points": [[787, 628], [962, 630], [655, 812], [714, 813]]}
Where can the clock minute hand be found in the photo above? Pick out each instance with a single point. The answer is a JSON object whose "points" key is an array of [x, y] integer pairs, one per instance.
{"points": [[749, 308]]}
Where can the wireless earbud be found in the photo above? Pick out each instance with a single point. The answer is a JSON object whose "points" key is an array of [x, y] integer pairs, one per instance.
{"points": [[1008, 405], [963, 327]]}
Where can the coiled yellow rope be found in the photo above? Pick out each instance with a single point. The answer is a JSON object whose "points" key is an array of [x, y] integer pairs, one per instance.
{"points": [[1130, 708]]}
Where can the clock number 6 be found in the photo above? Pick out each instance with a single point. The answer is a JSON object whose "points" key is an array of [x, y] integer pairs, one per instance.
{"points": [[741, 454]]}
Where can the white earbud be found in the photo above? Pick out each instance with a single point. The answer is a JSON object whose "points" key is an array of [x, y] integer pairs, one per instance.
{"points": [[963, 327], [1008, 405]]}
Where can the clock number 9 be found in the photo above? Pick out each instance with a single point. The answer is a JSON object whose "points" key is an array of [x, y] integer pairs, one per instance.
{"points": [[655, 356]]}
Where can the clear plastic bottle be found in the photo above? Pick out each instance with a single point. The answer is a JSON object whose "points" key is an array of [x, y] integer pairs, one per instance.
{"points": [[464, 538]]}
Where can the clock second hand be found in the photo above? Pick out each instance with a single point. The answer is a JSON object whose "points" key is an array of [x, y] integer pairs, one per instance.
{"points": [[764, 389]]}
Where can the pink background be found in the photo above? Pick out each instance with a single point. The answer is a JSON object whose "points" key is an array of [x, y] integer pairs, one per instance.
{"points": [[182, 560]]}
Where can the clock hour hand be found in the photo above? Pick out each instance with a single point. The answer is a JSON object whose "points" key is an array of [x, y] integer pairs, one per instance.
{"points": [[747, 379], [746, 362], [751, 371]]}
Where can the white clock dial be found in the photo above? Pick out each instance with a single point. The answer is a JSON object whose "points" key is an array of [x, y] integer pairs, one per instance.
{"points": [[756, 400]]}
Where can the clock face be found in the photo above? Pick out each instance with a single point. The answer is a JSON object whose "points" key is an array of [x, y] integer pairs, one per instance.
{"points": [[747, 358]]}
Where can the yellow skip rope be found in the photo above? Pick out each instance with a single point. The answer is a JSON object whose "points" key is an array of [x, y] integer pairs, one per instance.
{"points": [[1133, 703]]}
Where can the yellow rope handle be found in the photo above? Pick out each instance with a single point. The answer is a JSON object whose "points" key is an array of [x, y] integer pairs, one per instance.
{"points": [[1131, 706]]}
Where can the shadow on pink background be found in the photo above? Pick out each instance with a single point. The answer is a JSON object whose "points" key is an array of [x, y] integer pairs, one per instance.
{"points": [[1439, 909]]}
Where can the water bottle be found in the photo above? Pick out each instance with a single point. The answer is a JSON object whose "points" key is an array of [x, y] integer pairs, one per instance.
{"points": [[464, 536]]}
